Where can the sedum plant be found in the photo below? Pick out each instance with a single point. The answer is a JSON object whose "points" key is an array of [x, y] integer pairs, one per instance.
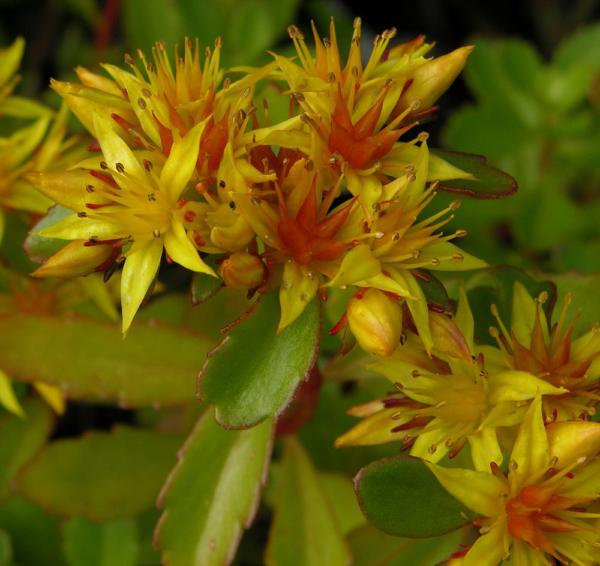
{"points": [[320, 268]]}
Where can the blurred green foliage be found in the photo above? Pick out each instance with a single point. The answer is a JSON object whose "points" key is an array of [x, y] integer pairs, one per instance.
{"points": [[539, 122]]}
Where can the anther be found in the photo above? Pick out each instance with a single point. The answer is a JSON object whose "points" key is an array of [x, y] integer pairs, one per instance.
{"points": [[120, 167], [82, 214], [141, 103], [156, 233], [89, 188]]}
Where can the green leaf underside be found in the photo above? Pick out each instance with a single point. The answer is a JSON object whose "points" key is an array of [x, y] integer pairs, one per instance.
{"points": [[21, 438], [40, 248], [304, 531], [489, 182], [254, 372], [212, 494], [434, 290], [100, 476], [371, 547], [401, 497], [154, 365], [101, 544], [204, 287]]}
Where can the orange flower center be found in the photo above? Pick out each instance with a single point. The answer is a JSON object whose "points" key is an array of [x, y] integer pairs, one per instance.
{"points": [[532, 515]]}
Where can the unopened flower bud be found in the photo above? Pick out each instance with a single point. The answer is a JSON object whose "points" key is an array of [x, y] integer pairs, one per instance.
{"points": [[432, 79], [242, 270], [376, 322], [74, 260]]}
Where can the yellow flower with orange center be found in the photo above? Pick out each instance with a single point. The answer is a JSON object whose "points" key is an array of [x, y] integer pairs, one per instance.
{"points": [[550, 351], [544, 508], [447, 398], [358, 112], [131, 204]]}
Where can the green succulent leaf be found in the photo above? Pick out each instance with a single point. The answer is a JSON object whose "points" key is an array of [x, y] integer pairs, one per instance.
{"points": [[154, 365], [401, 497], [304, 531], [100, 476], [100, 544], [212, 494], [488, 183], [253, 373], [375, 548], [205, 286], [21, 438], [34, 535]]}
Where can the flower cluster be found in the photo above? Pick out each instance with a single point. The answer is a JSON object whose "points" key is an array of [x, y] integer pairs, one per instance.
{"points": [[34, 139], [530, 397], [330, 197], [39, 145]]}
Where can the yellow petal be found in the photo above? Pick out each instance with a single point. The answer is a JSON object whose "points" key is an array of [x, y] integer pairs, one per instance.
{"points": [[367, 188], [67, 188], [450, 258], [358, 264], [433, 78], [489, 549], [386, 283], [75, 228], [74, 260], [143, 109], [52, 395], [419, 310], [523, 314], [139, 272], [375, 429], [115, 150], [97, 81], [530, 456], [181, 162], [8, 399], [299, 285], [479, 491], [519, 386], [464, 318], [485, 449], [10, 59], [182, 251]]}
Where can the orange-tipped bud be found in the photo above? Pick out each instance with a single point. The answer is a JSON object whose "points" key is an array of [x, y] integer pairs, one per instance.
{"points": [[242, 270], [376, 322], [74, 260], [432, 79]]}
